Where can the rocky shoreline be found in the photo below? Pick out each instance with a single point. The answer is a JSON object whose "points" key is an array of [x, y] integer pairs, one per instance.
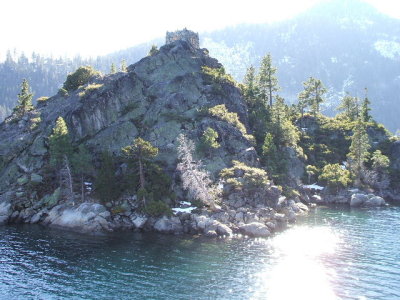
{"points": [[95, 218]]}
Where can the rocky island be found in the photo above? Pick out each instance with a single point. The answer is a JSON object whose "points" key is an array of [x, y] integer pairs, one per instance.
{"points": [[173, 144]]}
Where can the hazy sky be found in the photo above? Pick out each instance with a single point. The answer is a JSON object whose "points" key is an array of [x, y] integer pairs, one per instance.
{"points": [[97, 27]]}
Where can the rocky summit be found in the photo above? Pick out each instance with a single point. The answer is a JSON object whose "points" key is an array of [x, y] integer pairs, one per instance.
{"points": [[158, 98]]}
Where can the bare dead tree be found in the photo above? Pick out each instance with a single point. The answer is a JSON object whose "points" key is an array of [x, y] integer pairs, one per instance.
{"points": [[195, 180]]}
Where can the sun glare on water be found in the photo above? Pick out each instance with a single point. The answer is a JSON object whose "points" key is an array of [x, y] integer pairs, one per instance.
{"points": [[298, 271]]}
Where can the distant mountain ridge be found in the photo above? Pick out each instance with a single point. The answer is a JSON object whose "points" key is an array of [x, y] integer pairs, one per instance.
{"points": [[347, 44]]}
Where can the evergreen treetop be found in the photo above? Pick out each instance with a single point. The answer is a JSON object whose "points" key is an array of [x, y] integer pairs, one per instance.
{"points": [[59, 143], [312, 95], [267, 80], [349, 107], [24, 99], [359, 147]]}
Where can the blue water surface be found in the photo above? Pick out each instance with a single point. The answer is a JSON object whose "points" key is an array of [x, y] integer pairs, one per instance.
{"points": [[331, 254]]}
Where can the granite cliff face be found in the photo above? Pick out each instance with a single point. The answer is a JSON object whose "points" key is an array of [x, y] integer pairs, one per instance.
{"points": [[158, 98]]}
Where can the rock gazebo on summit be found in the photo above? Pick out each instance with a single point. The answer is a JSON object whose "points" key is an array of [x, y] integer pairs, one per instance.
{"points": [[188, 36]]}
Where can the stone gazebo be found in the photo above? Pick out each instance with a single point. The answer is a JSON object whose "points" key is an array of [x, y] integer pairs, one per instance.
{"points": [[185, 35]]}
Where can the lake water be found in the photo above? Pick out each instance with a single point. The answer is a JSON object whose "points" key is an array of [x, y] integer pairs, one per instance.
{"points": [[331, 254]]}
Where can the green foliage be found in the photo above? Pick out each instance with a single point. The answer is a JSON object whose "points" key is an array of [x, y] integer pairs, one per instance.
{"points": [[153, 50], [124, 67], [113, 69], [34, 123], [328, 142], [243, 177], [380, 162], [267, 80], [81, 160], [349, 107], [42, 99], [107, 185], [221, 112], [270, 154], [209, 140], [312, 95], [250, 88], [138, 153], [258, 112], [157, 181], [80, 77], [284, 132], [63, 92], [290, 193], [359, 147], [217, 75], [335, 176], [157, 209], [89, 89], [140, 149], [365, 109], [24, 99], [281, 134], [59, 143], [312, 172]]}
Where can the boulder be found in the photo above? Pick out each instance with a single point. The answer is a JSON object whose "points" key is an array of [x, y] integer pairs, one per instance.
{"points": [[255, 229], [316, 199], [201, 222], [358, 199], [299, 208], [375, 201], [87, 217], [5, 212], [37, 217], [168, 225], [211, 233], [223, 229]]}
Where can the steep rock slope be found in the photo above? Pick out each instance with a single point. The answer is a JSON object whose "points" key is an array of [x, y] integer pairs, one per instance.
{"points": [[159, 97]]}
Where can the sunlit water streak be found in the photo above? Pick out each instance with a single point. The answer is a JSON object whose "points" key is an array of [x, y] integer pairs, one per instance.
{"points": [[332, 254]]}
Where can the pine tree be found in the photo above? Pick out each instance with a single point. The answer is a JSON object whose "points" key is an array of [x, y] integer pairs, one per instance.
{"points": [[59, 143], [60, 149], [284, 131], [250, 90], [270, 155], [378, 177], [113, 69], [106, 185], [141, 151], [267, 80], [82, 164], [153, 50], [335, 176], [312, 95], [124, 67], [80, 77], [359, 147], [349, 107], [24, 99], [209, 141], [258, 110], [365, 108]]}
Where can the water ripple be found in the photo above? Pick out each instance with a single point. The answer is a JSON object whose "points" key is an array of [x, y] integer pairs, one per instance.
{"points": [[333, 254]]}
